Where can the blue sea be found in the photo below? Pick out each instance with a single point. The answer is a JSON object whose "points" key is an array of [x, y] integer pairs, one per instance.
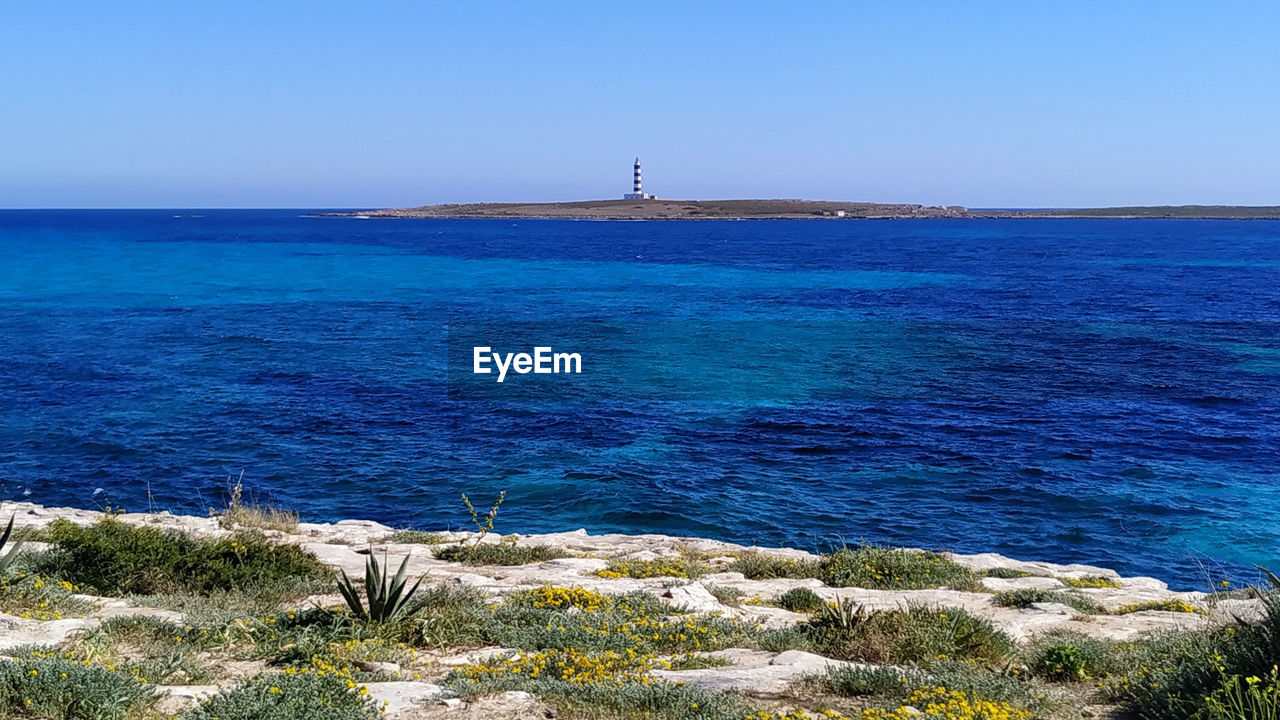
{"points": [[1100, 391]]}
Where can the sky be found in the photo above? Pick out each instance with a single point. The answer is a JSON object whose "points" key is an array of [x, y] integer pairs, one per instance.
{"points": [[327, 104]]}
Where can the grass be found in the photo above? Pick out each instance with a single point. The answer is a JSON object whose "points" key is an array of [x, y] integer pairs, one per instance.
{"points": [[115, 558], [917, 635], [759, 566], [1028, 596], [895, 569], [287, 697], [864, 566], [499, 554]]}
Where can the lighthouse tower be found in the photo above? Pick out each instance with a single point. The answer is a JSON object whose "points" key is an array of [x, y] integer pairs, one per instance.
{"points": [[637, 189]]}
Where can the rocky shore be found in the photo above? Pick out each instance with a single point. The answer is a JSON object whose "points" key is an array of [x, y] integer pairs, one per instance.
{"points": [[1126, 608]]}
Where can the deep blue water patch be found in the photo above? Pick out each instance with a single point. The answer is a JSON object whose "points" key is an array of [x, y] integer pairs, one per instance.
{"points": [[1103, 391]]}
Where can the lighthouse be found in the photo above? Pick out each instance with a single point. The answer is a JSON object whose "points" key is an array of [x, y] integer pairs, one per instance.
{"points": [[637, 189]]}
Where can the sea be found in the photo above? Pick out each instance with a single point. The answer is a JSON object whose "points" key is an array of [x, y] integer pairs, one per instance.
{"points": [[1102, 391]]}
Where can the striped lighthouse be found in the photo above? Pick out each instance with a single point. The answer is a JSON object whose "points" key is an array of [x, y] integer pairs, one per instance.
{"points": [[637, 188]]}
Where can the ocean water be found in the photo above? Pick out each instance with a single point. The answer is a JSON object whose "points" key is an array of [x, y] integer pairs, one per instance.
{"points": [[1101, 391]]}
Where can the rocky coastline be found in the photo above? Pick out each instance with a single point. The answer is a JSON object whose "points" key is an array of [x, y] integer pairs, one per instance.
{"points": [[1127, 608]]}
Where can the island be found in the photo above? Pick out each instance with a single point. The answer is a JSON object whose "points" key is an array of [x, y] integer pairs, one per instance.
{"points": [[655, 209]]}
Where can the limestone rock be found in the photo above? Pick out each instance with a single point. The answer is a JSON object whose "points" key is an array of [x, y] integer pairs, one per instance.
{"points": [[401, 695]]}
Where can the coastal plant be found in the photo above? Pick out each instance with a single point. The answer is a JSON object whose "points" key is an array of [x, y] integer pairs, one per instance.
{"points": [[916, 635], [38, 597], [7, 558], [150, 648], [801, 600], [1167, 605], [301, 696], [414, 537], [112, 557], [682, 566], [1091, 581], [1070, 657], [498, 554], [762, 566], [1025, 597], [56, 687], [483, 525], [259, 517], [1174, 675], [387, 597], [1246, 698], [869, 566]]}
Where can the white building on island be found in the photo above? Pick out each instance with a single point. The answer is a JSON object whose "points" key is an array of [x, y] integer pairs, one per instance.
{"points": [[637, 190]]}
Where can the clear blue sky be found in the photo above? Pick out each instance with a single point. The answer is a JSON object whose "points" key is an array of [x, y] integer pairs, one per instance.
{"points": [[341, 104]]}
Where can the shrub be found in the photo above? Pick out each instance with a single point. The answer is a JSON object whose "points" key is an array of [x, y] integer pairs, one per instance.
{"points": [[677, 567], [1027, 596], [116, 558], [287, 697], [916, 635], [895, 569], [759, 566], [55, 687], [499, 554], [801, 600]]}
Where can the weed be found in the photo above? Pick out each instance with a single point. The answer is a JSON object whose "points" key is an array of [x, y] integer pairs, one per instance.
{"points": [[7, 558], [485, 526]]}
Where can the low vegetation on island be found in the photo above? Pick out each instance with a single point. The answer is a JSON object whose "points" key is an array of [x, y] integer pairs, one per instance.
{"points": [[134, 617]]}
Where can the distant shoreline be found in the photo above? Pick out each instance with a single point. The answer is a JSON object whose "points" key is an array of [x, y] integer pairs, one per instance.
{"points": [[796, 210]]}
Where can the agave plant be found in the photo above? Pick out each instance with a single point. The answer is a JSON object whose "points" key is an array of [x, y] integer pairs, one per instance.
{"points": [[387, 596], [844, 615], [6, 559]]}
